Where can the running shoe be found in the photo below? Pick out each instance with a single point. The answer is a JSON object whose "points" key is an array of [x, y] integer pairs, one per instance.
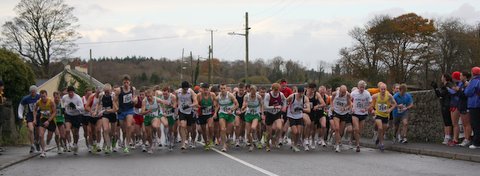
{"points": [[465, 143], [404, 141], [32, 148], [267, 148], [43, 155], [126, 150], [474, 147], [322, 142], [445, 141], [295, 148], [59, 150], [358, 148], [144, 148], [237, 143], [452, 143], [382, 147], [250, 148], [337, 148]]}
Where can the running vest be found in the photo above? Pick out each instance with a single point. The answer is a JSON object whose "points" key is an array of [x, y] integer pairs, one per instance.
{"points": [[44, 108], [225, 103], [85, 101], [184, 102], [125, 100], [155, 108], [295, 110], [239, 98], [206, 105], [340, 104], [138, 107], [253, 105], [107, 103], [59, 116], [275, 101], [382, 105], [313, 101], [168, 110], [361, 101]]}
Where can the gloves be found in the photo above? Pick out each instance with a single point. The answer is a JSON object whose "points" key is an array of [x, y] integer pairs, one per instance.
{"points": [[71, 105], [434, 85]]}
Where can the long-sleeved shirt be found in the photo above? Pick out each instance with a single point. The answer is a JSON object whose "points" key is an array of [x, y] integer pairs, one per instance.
{"points": [[473, 92], [28, 104], [77, 101], [444, 95], [270, 108]]}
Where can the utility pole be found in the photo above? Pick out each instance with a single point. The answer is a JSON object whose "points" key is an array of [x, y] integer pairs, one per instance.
{"points": [[181, 65], [191, 65], [246, 46], [210, 54], [247, 28]]}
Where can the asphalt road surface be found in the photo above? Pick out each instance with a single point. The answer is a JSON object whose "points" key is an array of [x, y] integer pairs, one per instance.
{"points": [[240, 162]]}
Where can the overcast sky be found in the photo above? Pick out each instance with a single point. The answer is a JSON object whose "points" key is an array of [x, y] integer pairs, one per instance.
{"points": [[304, 30]]}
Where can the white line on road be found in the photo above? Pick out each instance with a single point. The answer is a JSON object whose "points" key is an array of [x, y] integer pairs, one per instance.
{"points": [[243, 162]]}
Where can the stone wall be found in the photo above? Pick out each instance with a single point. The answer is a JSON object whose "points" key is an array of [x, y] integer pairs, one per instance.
{"points": [[425, 123], [8, 130]]}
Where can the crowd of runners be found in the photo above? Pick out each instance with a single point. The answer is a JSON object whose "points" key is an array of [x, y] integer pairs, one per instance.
{"points": [[123, 118]]}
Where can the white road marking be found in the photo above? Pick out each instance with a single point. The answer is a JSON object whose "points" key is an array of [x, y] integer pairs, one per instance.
{"points": [[243, 162]]}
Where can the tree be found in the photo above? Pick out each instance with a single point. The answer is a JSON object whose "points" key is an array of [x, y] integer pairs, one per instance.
{"points": [[404, 42], [17, 75], [42, 31]]}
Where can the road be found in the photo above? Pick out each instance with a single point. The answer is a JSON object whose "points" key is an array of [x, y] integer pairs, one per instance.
{"points": [[240, 162]]}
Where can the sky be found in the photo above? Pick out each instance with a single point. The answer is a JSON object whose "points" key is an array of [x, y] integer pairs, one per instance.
{"points": [[307, 31]]}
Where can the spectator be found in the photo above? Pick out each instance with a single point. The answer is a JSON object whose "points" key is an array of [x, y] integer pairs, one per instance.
{"points": [[473, 93], [444, 96], [454, 113], [462, 108]]}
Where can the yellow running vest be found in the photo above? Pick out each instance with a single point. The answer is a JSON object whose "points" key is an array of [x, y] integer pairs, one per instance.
{"points": [[382, 105]]}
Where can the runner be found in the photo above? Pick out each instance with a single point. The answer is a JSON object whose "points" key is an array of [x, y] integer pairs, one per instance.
{"points": [[73, 115], [274, 104], [86, 116], [361, 102], [253, 109], [106, 108], [206, 101], [187, 100], [139, 130], [317, 104], [216, 119], [383, 103], [46, 109], [400, 113], [168, 110], [262, 130], [227, 104], [286, 92], [298, 107], [60, 122], [95, 123], [27, 104], [341, 101], [324, 125], [152, 113], [126, 101], [239, 116]]}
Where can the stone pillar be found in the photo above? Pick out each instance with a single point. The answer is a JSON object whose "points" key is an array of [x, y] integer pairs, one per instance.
{"points": [[8, 131]]}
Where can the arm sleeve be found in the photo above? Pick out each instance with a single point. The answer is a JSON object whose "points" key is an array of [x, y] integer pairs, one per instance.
{"points": [[79, 104], [21, 108], [266, 102], [471, 88]]}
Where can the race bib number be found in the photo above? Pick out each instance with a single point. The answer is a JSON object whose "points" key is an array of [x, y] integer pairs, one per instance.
{"points": [[45, 114], [252, 111], [127, 98], [311, 105], [169, 112], [360, 105], [382, 107], [340, 103], [31, 107], [207, 110]]}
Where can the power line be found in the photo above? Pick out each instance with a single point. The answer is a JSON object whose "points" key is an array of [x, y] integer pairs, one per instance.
{"points": [[138, 40]]}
